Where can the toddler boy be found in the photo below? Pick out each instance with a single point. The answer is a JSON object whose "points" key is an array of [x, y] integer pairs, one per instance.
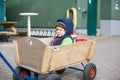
{"points": [[63, 30]]}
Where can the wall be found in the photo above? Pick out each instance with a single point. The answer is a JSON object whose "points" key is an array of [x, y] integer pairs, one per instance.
{"points": [[49, 11], [105, 9], [2, 12], [110, 18], [82, 18], [115, 14]]}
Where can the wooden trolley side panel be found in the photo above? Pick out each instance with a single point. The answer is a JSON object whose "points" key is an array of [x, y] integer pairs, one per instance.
{"points": [[31, 52], [34, 54], [67, 55]]}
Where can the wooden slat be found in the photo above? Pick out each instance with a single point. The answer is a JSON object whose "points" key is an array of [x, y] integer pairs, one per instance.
{"points": [[8, 33], [17, 58]]}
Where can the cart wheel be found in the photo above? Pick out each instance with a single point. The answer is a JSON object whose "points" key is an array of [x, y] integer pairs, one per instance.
{"points": [[21, 71], [89, 72], [61, 71]]}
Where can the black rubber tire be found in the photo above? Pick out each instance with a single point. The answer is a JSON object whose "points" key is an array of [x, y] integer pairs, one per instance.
{"points": [[60, 71], [90, 71], [21, 70]]}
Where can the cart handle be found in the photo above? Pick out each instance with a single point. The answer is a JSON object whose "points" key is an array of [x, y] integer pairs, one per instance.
{"points": [[10, 66]]}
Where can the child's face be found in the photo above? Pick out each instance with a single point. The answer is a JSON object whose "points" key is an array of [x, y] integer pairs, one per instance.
{"points": [[60, 31]]}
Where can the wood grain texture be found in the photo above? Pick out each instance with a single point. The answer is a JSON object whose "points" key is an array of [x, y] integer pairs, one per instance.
{"points": [[38, 55]]}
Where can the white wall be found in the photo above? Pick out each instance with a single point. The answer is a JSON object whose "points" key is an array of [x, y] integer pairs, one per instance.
{"points": [[110, 27]]}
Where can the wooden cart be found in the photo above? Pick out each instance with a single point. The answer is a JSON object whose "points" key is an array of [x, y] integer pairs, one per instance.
{"points": [[35, 54]]}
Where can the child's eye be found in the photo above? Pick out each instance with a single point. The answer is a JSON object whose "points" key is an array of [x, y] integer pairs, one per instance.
{"points": [[56, 29], [60, 29]]}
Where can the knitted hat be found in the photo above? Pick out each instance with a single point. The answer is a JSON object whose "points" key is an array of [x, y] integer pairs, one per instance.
{"points": [[61, 24]]}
